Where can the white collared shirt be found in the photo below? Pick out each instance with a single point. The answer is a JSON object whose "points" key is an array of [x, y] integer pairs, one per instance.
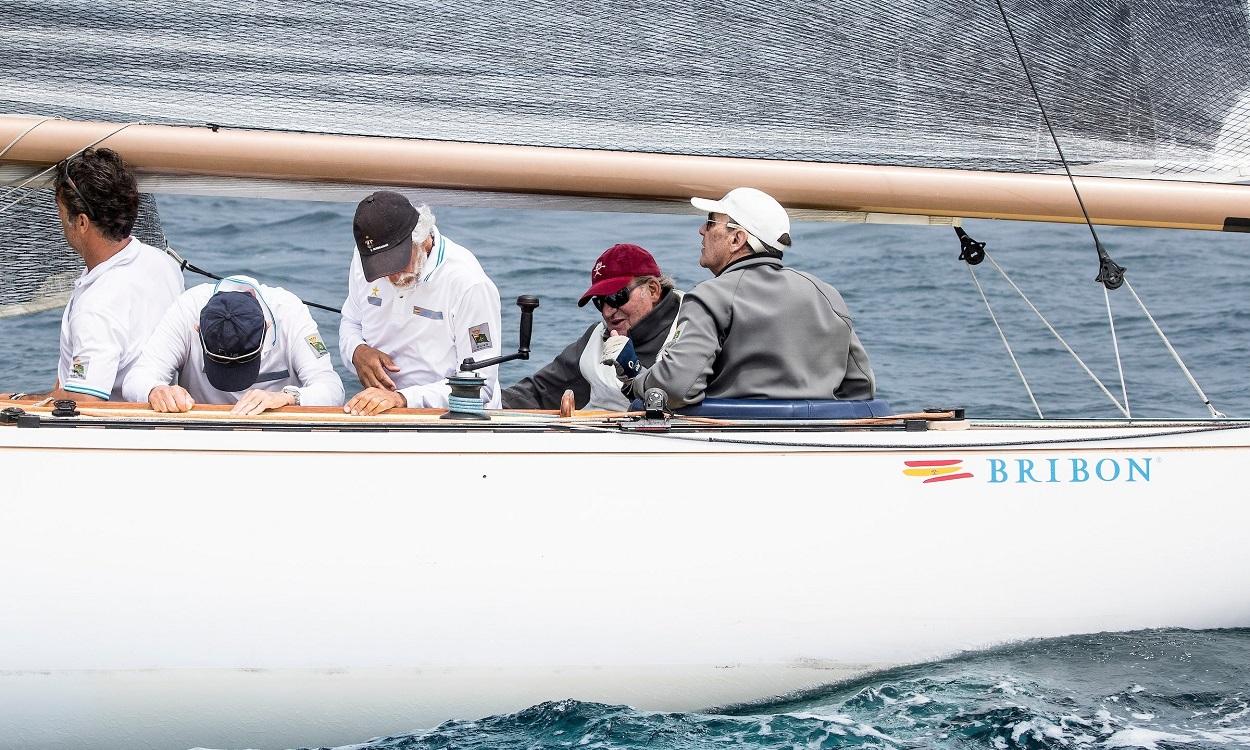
{"points": [[293, 353], [428, 329], [113, 309]]}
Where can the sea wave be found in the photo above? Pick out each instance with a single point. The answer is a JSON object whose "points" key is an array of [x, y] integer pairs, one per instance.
{"points": [[1157, 690]]}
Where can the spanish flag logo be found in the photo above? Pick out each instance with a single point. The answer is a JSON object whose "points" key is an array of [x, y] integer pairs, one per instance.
{"points": [[941, 470]]}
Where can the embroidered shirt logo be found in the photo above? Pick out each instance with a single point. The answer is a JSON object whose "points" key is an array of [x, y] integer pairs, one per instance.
{"points": [[479, 335], [597, 271], [375, 297], [318, 346], [78, 368]]}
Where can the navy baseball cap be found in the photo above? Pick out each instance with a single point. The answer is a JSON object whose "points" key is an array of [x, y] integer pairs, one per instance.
{"points": [[232, 332], [383, 228]]}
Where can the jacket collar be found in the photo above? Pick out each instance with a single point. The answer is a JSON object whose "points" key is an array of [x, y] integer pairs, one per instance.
{"points": [[752, 260]]}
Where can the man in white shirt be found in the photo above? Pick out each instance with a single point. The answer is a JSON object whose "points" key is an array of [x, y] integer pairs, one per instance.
{"points": [[236, 342], [125, 288], [417, 306]]}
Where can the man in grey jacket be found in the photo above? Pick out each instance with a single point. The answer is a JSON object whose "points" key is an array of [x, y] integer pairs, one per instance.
{"points": [[757, 329]]}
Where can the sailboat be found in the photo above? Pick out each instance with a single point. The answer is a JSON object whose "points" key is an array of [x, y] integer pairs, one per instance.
{"points": [[140, 616]]}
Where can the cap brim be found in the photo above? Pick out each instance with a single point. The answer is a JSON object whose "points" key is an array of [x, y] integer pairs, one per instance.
{"points": [[390, 261], [232, 378], [707, 205], [604, 287]]}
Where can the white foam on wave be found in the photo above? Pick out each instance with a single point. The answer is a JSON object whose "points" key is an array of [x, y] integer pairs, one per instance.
{"points": [[1039, 728], [1145, 738]]}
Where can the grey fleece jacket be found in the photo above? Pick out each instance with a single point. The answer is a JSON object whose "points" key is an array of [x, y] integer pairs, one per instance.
{"points": [[761, 330], [543, 389]]}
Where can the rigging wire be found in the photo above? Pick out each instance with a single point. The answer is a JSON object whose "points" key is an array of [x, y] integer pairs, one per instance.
{"points": [[39, 174], [1110, 273], [1003, 336], [1206, 401], [1115, 344], [186, 265], [22, 135], [1051, 328]]}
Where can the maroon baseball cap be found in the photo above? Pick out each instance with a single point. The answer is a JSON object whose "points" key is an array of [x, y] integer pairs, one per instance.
{"points": [[619, 265]]}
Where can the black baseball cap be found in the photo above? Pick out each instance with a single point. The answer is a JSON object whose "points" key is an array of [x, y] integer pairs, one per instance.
{"points": [[232, 333], [383, 227]]}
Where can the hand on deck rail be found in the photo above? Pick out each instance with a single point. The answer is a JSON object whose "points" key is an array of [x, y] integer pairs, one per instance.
{"points": [[257, 401], [372, 401], [170, 398], [371, 367]]}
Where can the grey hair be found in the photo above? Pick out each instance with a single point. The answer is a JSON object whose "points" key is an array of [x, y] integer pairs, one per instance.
{"points": [[425, 224], [664, 280]]}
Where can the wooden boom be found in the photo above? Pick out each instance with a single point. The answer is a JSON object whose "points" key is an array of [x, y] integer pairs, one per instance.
{"points": [[227, 152]]}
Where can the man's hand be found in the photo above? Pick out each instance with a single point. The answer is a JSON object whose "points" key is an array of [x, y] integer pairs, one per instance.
{"points": [[618, 350], [257, 401], [170, 398], [371, 367], [372, 401]]}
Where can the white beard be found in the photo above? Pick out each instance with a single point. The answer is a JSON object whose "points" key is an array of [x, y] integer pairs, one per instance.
{"points": [[405, 279]]}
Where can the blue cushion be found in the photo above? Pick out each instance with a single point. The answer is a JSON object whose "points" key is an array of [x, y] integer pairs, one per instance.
{"points": [[761, 408]]}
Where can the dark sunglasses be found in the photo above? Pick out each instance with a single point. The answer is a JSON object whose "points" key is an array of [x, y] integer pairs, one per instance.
{"points": [[62, 168], [711, 222], [617, 300]]}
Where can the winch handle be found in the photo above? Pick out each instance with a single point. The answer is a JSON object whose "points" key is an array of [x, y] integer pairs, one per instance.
{"points": [[527, 303]]}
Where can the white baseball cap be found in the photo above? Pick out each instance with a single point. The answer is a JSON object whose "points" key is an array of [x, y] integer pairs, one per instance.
{"points": [[755, 211]]}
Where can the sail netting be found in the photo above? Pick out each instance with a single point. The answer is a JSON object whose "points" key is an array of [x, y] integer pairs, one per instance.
{"points": [[37, 266], [1136, 88], [1133, 87]]}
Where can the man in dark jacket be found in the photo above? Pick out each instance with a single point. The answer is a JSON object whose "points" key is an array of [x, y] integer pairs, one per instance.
{"points": [[635, 300], [757, 329]]}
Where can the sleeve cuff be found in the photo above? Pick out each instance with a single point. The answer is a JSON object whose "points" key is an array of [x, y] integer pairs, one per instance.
{"points": [[72, 388]]}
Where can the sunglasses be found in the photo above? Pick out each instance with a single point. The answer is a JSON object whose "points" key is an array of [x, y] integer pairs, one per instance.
{"points": [[618, 300], [62, 168], [225, 359], [711, 222]]}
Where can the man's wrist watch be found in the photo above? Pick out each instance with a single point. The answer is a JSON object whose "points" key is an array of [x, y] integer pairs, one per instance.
{"points": [[293, 391]]}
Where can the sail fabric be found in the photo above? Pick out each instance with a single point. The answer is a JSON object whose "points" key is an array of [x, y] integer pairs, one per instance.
{"points": [[39, 267], [1140, 88]]}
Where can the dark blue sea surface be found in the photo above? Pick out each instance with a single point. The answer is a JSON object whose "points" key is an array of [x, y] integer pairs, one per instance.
{"points": [[1158, 689], [926, 328]]}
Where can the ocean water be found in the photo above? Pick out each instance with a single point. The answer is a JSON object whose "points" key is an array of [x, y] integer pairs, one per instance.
{"points": [[929, 336], [1159, 689]]}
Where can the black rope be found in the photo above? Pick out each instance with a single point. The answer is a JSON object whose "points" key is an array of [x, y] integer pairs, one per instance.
{"points": [[1110, 273], [937, 446], [187, 265]]}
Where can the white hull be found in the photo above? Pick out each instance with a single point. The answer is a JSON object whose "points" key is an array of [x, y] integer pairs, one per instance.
{"points": [[597, 565]]}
